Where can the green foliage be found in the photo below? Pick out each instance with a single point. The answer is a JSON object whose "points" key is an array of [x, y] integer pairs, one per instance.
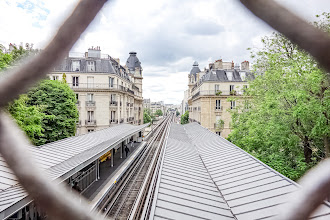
{"points": [[177, 113], [64, 78], [218, 93], [47, 112], [288, 116], [185, 118], [148, 116], [220, 124], [29, 118], [159, 112], [59, 100]]}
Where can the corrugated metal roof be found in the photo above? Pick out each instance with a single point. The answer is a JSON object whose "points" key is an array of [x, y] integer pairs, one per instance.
{"points": [[185, 189], [251, 189], [62, 159]]}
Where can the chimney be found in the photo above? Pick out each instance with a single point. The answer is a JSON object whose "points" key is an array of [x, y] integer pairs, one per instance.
{"points": [[245, 65], [86, 54], [232, 64]]}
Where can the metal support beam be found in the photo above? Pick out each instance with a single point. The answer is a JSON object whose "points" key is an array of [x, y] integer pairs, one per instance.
{"points": [[121, 150], [112, 156]]}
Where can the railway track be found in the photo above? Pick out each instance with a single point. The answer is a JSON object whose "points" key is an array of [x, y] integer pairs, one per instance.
{"points": [[127, 199]]}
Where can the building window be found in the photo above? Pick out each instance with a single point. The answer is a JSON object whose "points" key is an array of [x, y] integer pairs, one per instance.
{"points": [[90, 66], [232, 104], [217, 88], [230, 76], [77, 96], [111, 82], [90, 82], [217, 104], [244, 88], [90, 130], [90, 97], [113, 97], [218, 133], [90, 116], [55, 78], [113, 116], [231, 88], [75, 65], [75, 81]]}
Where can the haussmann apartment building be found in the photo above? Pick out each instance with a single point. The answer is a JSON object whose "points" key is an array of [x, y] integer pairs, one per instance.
{"points": [[107, 92], [209, 91]]}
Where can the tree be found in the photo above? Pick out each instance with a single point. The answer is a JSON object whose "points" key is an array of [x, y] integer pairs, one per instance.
{"points": [[29, 119], [146, 116], [177, 113], [287, 122], [5, 59], [159, 112], [185, 118], [57, 99]]}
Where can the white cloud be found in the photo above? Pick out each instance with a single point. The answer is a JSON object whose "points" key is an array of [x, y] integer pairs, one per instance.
{"points": [[168, 35]]}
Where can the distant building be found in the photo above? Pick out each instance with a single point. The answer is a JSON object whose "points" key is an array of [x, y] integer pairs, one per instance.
{"points": [[154, 106], [209, 91], [146, 103], [107, 93]]}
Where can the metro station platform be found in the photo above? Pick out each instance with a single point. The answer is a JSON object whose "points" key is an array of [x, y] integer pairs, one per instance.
{"points": [[107, 172]]}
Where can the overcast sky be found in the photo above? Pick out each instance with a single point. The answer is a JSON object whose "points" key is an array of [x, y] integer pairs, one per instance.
{"points": [[168, 35]]}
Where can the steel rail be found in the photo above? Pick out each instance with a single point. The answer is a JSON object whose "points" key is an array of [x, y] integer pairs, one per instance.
{"points": [[112, 192], [145, 195], [116, 196]]}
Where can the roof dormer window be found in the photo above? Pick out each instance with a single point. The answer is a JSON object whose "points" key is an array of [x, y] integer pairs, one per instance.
{"points": [[90, 66], [230, 75], [75, 65]]}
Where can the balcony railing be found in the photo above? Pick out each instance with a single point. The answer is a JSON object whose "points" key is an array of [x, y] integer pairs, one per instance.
{"points": [[101, 86], [131, 119], [113, 121], [217, 93], [218, 108], [90, 103], [113, 103], [90, 122], [218, 126]]}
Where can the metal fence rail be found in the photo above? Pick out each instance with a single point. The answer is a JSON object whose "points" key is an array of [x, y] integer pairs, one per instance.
{"points": [[60, 204]]}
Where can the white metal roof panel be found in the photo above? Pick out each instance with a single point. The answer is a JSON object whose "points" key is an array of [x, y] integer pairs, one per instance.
{"points": [[185, 189], [61, 158], [252, 189]]}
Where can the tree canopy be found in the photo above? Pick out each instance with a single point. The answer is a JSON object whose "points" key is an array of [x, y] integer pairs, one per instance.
{"points": [[285, 119], [185, 118], [159, 112]]}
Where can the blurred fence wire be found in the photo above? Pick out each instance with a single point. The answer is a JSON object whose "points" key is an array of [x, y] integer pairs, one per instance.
{"points": [[53, 198]]}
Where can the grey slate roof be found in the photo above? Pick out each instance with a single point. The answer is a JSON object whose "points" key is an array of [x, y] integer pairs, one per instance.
{"points": [[195, 69], [251, 189], [132, 61], [61, 159], [108, 65], [221, 76]]}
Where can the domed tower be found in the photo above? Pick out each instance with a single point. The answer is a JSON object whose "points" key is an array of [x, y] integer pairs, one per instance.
{"points": [[133, 67], [192, 77]]}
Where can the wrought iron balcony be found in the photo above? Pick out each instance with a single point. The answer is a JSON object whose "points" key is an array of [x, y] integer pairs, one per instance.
{"points": [[90, 122], [113, 103], [99, 86], [90, 103], [113, 121], [217, 93], [218, 108]]}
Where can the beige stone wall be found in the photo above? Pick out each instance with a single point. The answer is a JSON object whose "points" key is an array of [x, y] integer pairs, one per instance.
{"points": [[102, 96]]}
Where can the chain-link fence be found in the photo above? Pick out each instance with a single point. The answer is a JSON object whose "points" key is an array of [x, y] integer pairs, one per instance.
{"points": [[54, 199]]}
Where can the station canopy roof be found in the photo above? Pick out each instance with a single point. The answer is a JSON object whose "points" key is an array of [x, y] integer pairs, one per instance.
{"points": [[204, 176], [60, 160]]}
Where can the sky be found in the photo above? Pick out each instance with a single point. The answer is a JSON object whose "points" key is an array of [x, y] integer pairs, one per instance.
{"points": [[168, 35]]}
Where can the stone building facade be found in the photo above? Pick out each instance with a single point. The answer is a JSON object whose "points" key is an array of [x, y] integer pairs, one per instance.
{"points": [[214, 91], [107, 93]]}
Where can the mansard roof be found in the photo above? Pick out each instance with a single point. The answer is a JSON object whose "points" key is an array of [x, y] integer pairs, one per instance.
{"points": [[102, 65], [195, 69], [132, 61], [222, 76]]}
